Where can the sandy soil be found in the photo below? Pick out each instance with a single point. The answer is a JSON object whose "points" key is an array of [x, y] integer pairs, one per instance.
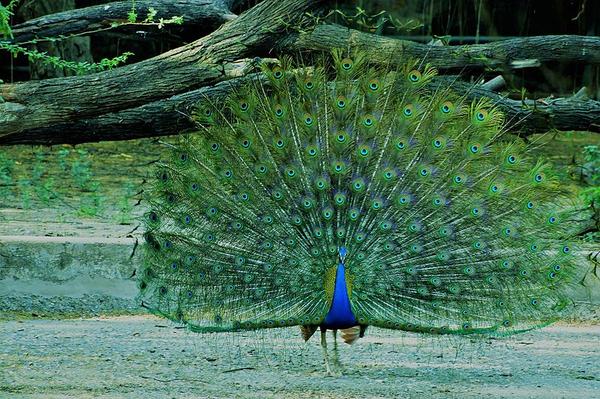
{"points": [[145, 357]]}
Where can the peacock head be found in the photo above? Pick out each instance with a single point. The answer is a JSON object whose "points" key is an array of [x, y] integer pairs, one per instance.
{"points": [[342, 252]]}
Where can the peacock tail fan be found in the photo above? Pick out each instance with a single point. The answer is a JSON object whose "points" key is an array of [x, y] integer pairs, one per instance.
{"points": [[449, 225]]}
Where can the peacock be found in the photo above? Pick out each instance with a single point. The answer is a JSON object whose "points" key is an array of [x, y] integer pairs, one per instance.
{"points": [[348, 194]]}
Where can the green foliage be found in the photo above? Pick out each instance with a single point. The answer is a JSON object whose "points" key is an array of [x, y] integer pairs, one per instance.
{"points": [[5, 13], [79, 67], [24, 49]]}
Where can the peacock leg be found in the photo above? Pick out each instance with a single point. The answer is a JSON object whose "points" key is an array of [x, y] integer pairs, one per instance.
{"points": [[336, 356], [324, 346]]}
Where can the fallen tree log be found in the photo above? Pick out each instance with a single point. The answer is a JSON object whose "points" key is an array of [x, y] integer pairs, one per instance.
{"points": [[172, 116]]}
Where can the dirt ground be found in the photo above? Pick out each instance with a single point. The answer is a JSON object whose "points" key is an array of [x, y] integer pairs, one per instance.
{"points": [[146, 357]]}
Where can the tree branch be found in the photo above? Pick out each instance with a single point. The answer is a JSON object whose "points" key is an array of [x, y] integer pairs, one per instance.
{"points": [[501, 54], [208, 13]]}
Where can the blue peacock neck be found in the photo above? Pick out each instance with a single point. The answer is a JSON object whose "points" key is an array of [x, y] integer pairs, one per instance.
{"points": [[340, 313]]}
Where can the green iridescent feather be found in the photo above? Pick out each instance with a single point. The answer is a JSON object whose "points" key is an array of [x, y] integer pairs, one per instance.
{"points": [[451, 227]]}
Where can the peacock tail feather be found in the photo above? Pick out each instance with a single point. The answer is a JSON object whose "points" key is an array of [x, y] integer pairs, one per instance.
{"points": [[450, 226]]}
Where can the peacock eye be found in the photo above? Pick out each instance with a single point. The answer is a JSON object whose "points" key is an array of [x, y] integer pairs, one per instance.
{"points": [[481, 115], [347, 64], [474, 149], [244, 106], [414, 76], [277, 73], [373, 86], [511, 159], [309, 85]]}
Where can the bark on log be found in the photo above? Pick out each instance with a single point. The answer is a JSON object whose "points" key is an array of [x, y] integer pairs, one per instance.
{"points": [[500, 54], [209, 13], [31, 105]]}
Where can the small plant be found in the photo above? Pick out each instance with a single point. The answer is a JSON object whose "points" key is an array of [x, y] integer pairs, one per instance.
{"points": [[81, 171], [7, 167], [92, 204], [63, 158], [25, 190], [590, 171], [125, 206]]}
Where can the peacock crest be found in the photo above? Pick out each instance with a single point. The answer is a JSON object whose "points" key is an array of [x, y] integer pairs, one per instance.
{"points": [[351, 179]]}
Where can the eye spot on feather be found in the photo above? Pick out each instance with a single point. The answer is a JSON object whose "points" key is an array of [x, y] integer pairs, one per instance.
{"points": [[278, 111], [277, 73], [347, 64], [534, 302], [446, 107], [414, 76]]}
